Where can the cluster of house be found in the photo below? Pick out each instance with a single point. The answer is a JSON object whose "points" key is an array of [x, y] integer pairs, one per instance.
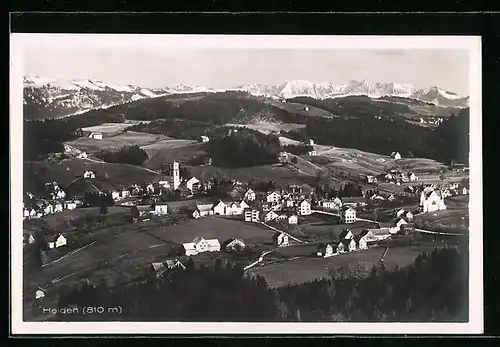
{"points": [[393, 176], [54, 203], [54, 241], [201, 245], [435, 121], [348, 242]]}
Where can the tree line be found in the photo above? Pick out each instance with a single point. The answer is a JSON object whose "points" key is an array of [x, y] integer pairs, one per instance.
{"points": [[133, 155], [433, 289]]}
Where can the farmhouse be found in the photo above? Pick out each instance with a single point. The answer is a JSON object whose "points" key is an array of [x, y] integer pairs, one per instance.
{"points": [[95, 136], [269, 216], [280, 239], [361, 240], [160, 208], [207, 161], [325, 251], [249, 195], [204, 138], [39, 293], [431, 201], [203, 210], [282, 217], [252, 215], [57, 241], [283, 157], [371, 179], [311, 142], [194, 185], [293, 219], [310, 153], [200, 245], [28, 239], [397, 225], [379, 234], [304, 208], [57, 207], [413, 177], [395, 155], [347, 215], [273, 197], [235, 208], [354, 201], [88, 174], [219, 208], [346, 245], [233, 245], [334, 204], [161, 268]]}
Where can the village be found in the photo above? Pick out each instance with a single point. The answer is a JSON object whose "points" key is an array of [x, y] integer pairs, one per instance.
{"points": [[279, 210]]}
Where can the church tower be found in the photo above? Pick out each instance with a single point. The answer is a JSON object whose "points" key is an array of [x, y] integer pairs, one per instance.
{"points": [[175, 177]]}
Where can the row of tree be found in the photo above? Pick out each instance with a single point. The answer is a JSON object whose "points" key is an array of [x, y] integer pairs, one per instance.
{"points": [[133, 155]]}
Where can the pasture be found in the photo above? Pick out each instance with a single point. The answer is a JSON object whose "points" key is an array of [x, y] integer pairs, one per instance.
{"points": [[214, 227], [67, 171], [165, 150], [107, 127], [327, 229], [129, 138], [308, 268]]}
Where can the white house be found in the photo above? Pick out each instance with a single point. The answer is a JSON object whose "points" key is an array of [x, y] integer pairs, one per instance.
{"points": [[431, 201], [273, 197], [96, 136], [371, 179], [289, 202], [280, 239], [361, 241], [334, 204], [39, 293], [311, 142], [269, 216], [304, 208], [347, 215], [397, 226], [164, 184], [161, 208], [391, 197], [293, 219], [115, 195], [252, 215], [311, 153], [220, 208], [413, 177], [325, 251], [193, 184], [234, 244], [249, 195], [204, 138], [58, 241], [346, 245], [200, 245], [29, 239], [89, 174], [57, 207], [69, 205], [203, 210], [150, 189], [395, 155], [48, 209]]}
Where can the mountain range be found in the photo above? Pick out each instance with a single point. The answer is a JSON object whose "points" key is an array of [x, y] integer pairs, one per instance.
{"points": [[52, 98]]}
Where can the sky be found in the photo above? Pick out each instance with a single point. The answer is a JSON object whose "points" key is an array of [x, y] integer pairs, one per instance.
{"points": [[219, 68]]}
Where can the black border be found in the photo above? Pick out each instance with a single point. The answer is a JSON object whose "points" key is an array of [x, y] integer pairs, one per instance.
{"points": [[485, 24]]}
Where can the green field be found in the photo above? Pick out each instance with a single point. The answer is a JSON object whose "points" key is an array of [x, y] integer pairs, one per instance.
{"points": [[128, 138], [67, 171], [163, 152], [308, 268], [214, 227], [107, 127]]}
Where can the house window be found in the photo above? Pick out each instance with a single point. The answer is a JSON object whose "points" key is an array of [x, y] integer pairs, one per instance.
{"points": [[434, 203]]}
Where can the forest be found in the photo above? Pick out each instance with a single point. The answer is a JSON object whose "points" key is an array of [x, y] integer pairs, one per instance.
{"points": [[433, 289], [133, 155], [244, 148]]}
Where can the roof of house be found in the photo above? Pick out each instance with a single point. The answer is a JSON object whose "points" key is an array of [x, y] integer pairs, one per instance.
{"points": [[189, 246], [344, 233], [232, 240], [429, 193], [346, 241], [204, 207], [172, 263], [384, 224], [380, 231], [157, 266], [353, 199]]}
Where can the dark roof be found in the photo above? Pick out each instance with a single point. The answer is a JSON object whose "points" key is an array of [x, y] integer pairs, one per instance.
{"points": [[344, 233]]}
